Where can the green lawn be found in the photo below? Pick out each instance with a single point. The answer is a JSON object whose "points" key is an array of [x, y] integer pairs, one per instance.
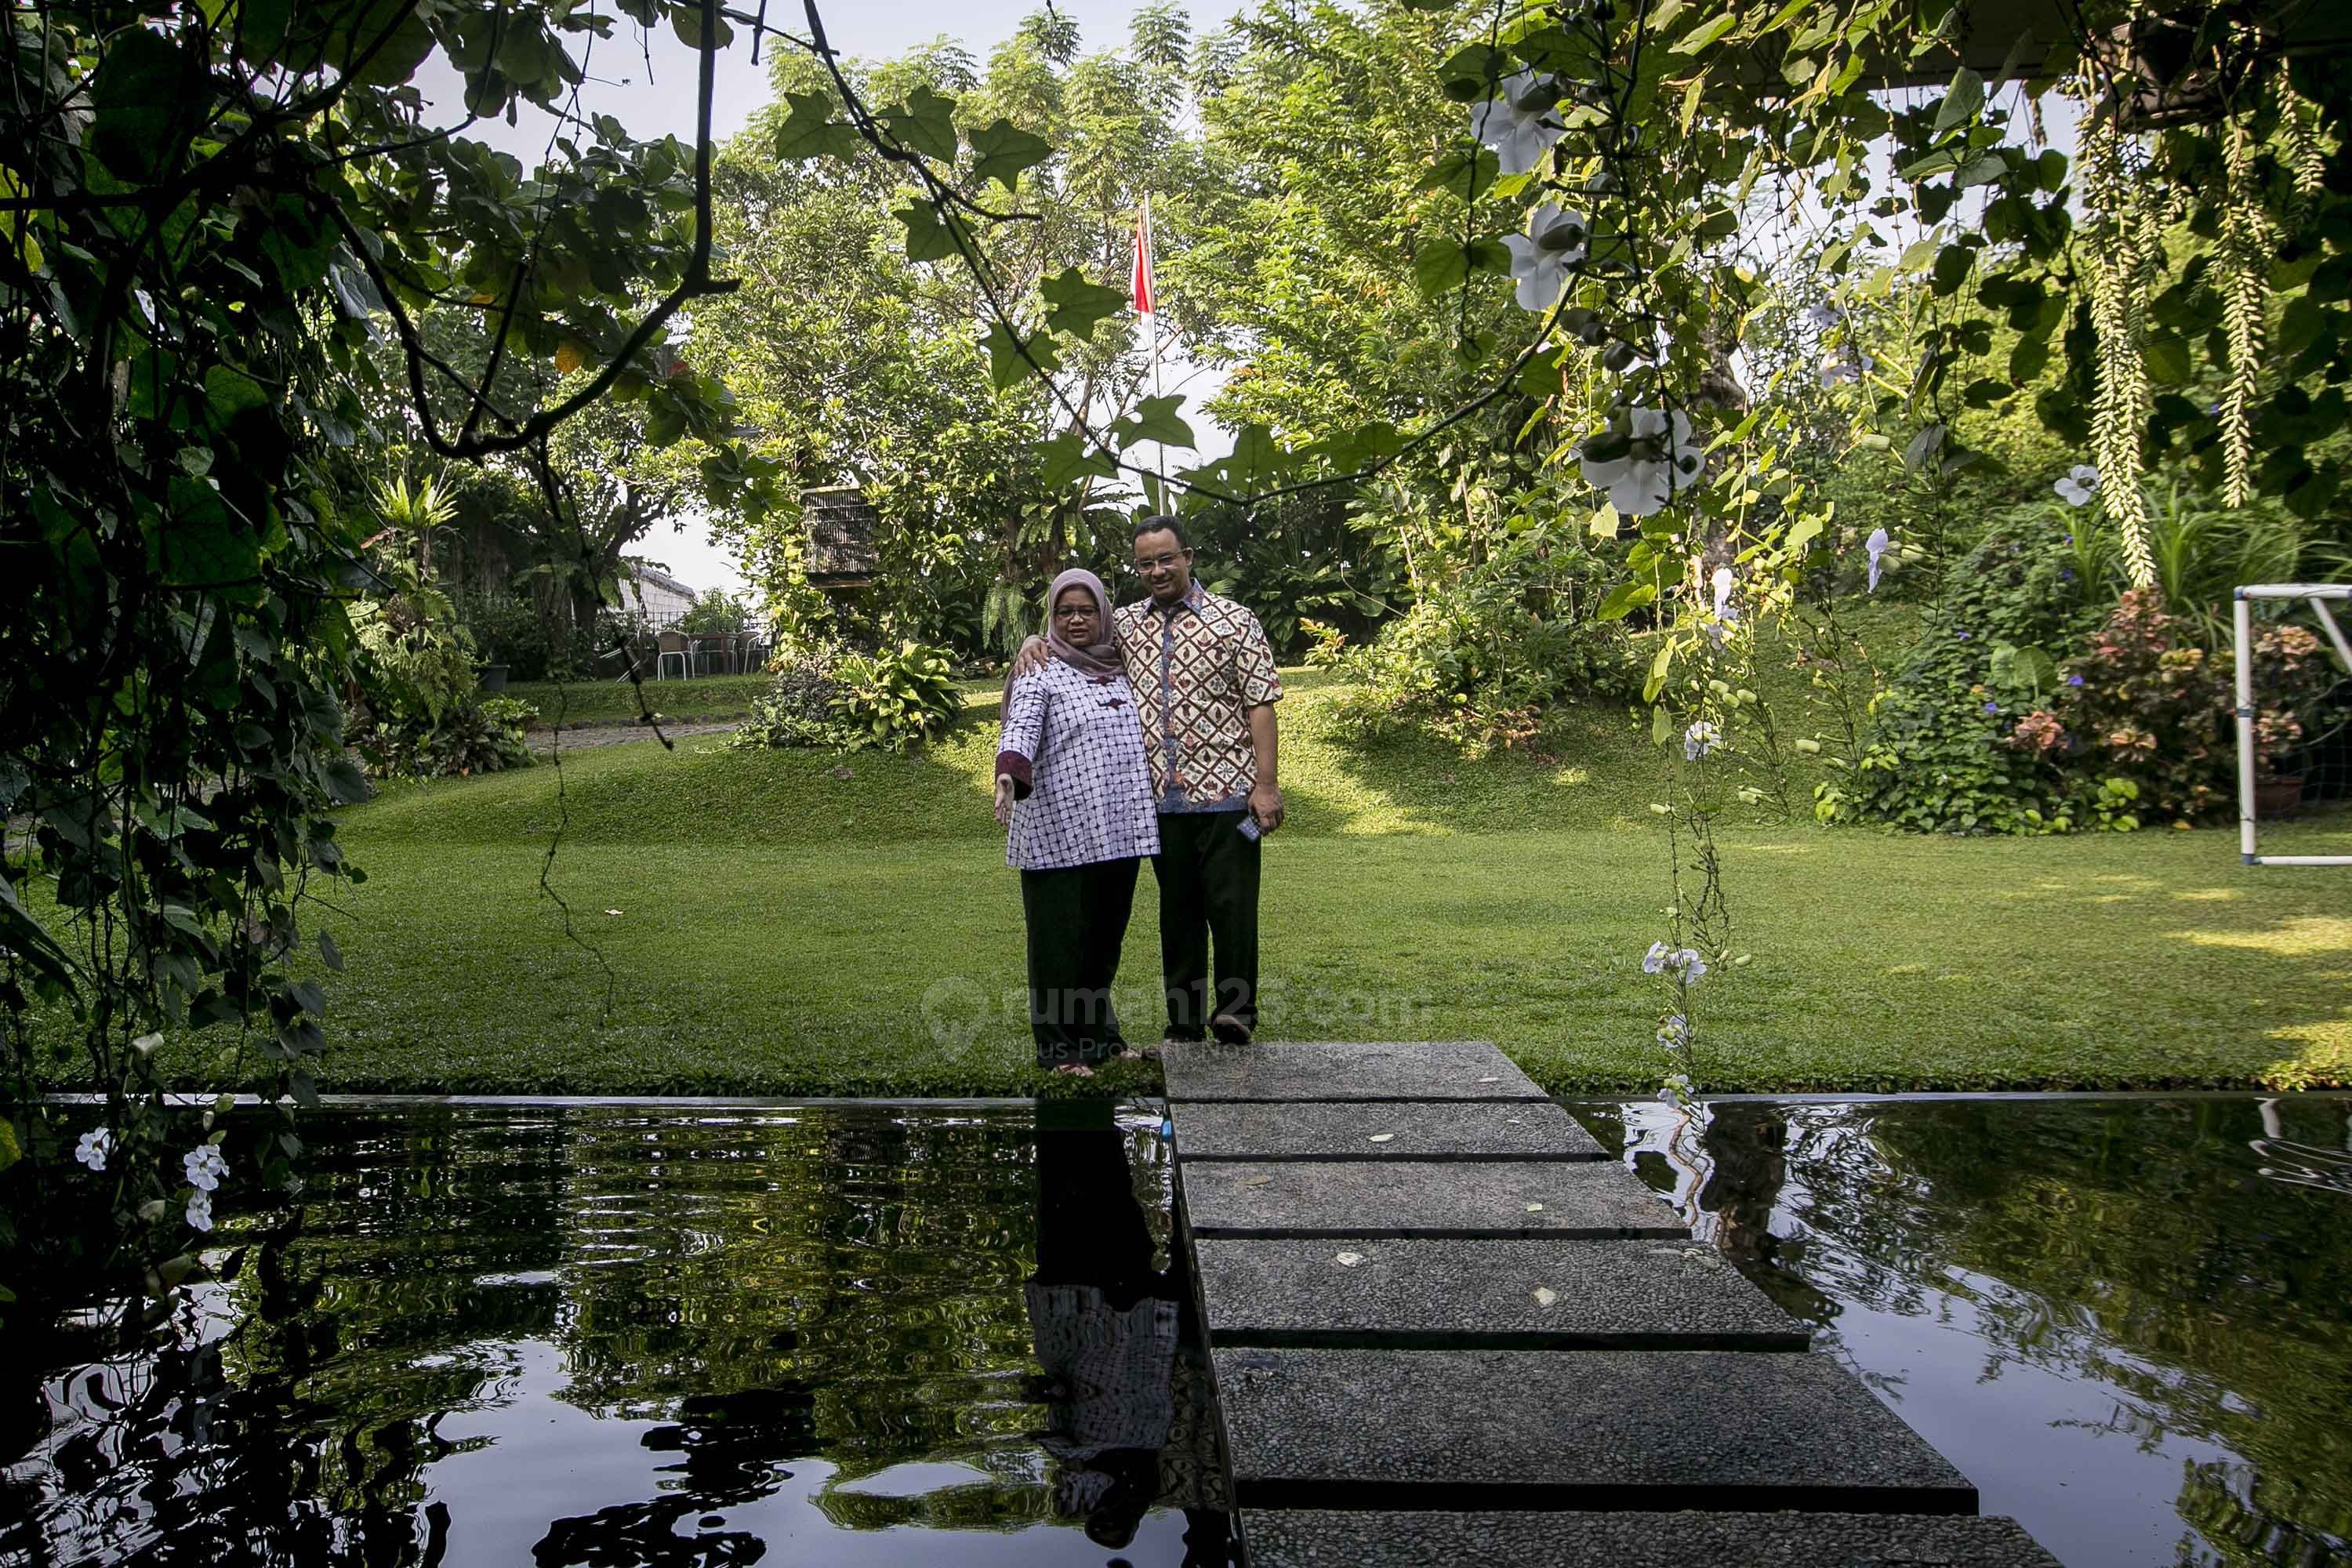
{"points": [[796, 923]]}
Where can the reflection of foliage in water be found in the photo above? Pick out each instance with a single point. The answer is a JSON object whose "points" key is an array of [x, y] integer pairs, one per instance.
{"points": [[2172, 1251], [757, 1286]]}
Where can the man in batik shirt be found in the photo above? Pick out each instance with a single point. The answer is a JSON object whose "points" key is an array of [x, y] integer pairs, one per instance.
{"points": [[1205, 687]]}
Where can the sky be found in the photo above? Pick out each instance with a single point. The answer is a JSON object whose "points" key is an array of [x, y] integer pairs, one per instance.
{"points": [[650, 102]]}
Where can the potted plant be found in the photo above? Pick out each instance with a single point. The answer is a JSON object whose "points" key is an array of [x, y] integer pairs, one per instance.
{"points": [[494, 668], [2297, 678]]}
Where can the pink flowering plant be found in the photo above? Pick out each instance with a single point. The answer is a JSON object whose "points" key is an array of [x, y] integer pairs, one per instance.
{"points": [[2144, 703]]}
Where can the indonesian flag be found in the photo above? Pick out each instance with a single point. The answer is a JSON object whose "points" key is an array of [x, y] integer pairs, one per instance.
{"points": [[1139, 283]]}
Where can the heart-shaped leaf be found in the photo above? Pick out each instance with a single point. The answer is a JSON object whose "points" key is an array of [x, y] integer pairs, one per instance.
{"points": [[1073, 305], [1963, 100], [1066, 460], [925, 123], [811, 131], [1004, 150], [1005, 365], [1154, 419], [931, 234]]}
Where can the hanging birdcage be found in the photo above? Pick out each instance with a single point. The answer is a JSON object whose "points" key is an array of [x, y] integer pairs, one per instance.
{"points": [[841, 522]]}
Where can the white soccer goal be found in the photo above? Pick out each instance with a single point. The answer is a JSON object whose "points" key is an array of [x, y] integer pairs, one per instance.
{"points": [[2317, 596]]}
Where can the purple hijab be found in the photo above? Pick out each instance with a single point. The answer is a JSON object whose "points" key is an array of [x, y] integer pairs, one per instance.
{"points": [[1095, 660]]}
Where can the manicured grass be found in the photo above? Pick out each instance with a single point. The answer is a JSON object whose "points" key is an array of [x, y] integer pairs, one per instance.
{"points": [[609, 701], [784, 929]]}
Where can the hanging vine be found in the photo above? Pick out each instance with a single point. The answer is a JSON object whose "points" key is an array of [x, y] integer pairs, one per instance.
{"points": [[2120, 272], [2248, 243]]}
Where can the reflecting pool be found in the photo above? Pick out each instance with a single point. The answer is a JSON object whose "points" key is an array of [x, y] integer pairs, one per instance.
{"points": [[921, 1336], [602, 1335], [2128, 1321]]}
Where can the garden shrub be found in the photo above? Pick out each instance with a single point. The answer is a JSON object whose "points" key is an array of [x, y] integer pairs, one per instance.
{"points": [[1937, 763], [2146, 705], [471, 737], [798, 708], [899, 699], [533, 643], [1479, 660], [715, 611], [821, 697], [2143, 704], [2033, 706]]}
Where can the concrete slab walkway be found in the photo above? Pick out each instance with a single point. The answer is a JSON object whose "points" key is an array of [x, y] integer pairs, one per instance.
{"points": [[1443, 1330]]}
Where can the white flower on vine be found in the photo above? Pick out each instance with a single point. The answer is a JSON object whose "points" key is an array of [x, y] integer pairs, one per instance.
{"points": [[1676, 1032], [94, 1147], [204, 1166], [1850, 366], [1698, 741], [2081, 483], [1677, 1090], [1541, 259], [1643, 459], [1876, 545], [200, 1212], [1519, 124], [1727, 613], [1822, 315], [1684, 961]]}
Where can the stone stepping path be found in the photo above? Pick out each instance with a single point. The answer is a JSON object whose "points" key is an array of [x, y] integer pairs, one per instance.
{"points": [[1483, 1295], [1437, 1198], [1445, 1330], [1465, 1070], [1606, 1429], [1385, 1130], [1281, 1538]]}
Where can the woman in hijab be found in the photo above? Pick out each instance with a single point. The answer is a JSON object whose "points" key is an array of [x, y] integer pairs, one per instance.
{"points": [[1073, 787]]}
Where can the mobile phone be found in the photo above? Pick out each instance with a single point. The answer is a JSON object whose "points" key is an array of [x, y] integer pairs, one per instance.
{"points": [[1249, 828]]}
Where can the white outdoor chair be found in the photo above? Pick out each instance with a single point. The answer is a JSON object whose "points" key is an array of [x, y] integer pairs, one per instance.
{"points": [[672, 645]]}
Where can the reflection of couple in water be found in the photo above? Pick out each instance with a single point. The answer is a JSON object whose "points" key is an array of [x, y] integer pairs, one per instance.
{"points": [[1128, 1424], [1142, 731]]}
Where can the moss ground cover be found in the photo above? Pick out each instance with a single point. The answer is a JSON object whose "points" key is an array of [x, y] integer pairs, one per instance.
{"points": [[802, 922]]}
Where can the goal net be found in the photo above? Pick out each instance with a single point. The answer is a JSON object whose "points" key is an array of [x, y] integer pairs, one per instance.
{"points": [[2306, 763]]}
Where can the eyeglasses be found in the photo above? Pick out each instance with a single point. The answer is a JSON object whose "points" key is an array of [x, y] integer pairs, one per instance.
{"points": [[1161, 563], [1071, 612]]}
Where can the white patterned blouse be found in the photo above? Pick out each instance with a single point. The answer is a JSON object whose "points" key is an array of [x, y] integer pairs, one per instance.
{"points": [[1081, 787]]}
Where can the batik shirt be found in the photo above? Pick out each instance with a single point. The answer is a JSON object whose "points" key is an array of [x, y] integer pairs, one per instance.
{"points": [[1197, 668], [1080, 788]]}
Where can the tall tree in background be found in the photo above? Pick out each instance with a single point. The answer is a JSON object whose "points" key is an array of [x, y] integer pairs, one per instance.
{"points": [[866, 343], [1308, 266]]}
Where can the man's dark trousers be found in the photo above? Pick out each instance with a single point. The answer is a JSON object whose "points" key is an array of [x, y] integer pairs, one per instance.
{"points": [[1207, 887], [1077, 919]]}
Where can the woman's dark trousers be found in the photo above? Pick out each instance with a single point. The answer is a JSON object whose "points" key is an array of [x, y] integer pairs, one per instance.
{"points": [[1078, 924], [1208, 874]]}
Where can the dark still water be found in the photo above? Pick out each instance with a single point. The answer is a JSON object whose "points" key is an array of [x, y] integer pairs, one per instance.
{"points": [[2128, 1322], [601, 1335], [929, 1336]]}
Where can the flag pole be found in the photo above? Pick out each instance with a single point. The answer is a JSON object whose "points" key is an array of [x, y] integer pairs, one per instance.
{"points": [[1146, 302]]}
